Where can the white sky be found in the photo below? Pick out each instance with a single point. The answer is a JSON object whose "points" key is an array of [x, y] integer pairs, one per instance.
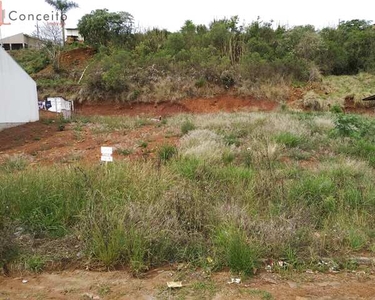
{"points": [[172, 14]]}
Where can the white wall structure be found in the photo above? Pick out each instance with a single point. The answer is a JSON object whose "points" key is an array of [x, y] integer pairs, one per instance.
{"points": [[18, 93]]}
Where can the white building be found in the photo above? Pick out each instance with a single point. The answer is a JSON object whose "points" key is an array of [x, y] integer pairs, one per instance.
{"points": [[18, 94], [21, 41], [73, 36]]}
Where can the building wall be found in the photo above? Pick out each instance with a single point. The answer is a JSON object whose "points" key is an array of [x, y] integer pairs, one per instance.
{"points": [[20, 41], [18, 93], [14, 39], [33, 43]]}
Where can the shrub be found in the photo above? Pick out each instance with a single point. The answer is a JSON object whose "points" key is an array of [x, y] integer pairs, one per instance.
{"points": [[228, 157], [166, 152], [8, 247], [187, 167], [124, 152], [348, 125], [15, 163], [232, 139], [108, 243], [336, 109], [187, 126], [357, 239], [35, 263], [289, 140], [32, 61], [236, 252]]}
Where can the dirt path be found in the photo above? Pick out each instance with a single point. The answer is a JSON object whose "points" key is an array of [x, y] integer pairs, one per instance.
{"points": [[196, 285]]}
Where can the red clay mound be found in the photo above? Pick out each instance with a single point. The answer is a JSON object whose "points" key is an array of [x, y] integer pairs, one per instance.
{"points": [[77, 57], [223, 103], [73, 59]]}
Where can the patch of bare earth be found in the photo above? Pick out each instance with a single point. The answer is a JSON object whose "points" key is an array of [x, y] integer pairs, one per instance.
{"points": [[45, 143], [196, 285], [222, 103]]}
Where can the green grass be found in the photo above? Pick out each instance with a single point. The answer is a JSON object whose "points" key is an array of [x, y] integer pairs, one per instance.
{"points": [[107, 124], [248, 203], [289, 140], [14, 163], [35, 263], [143, 144], [236, 252], [166, 152], [124, 152], [187, 126]]}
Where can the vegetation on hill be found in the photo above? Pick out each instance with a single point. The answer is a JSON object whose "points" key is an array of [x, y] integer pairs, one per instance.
{"points": [[224, 57]]}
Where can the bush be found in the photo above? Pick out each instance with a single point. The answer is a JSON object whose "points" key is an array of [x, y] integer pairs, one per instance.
{"points": [[187, 126], [35, 263], [336, 109], [15, 163], [348, 125], [166, 152], [236, 252], [8, 247], [32, 61], [289, 140]]}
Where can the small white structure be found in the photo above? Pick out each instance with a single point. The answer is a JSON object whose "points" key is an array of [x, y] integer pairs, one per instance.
{"points": [[73, 36], [59, 104], [18, 94]]}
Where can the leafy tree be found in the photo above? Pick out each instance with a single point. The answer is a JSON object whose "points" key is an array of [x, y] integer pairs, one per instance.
{"points": [[151, 41], [351, 47], [62, 6], [101, 27]]}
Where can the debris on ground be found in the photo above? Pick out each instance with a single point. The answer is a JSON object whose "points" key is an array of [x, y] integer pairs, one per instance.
{"points": [[234, 281], [90, 296], [174, 284]]}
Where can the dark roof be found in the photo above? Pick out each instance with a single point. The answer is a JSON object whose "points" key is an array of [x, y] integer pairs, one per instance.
{"points": [[369, 98]]}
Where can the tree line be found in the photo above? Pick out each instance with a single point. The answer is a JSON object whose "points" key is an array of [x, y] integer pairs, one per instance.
{"points": [[227, 51]]}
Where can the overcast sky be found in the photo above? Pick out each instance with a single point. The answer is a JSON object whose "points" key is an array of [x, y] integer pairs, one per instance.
{"points": [[172, 14]]}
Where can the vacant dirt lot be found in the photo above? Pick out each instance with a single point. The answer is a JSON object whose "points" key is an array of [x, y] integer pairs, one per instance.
{"points": [[43, 141]]}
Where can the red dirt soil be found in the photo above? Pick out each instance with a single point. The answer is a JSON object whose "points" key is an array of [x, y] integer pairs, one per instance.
{"points": [[196, 285], [76, 57], [72, 59], [222, 103], [44, 143]]}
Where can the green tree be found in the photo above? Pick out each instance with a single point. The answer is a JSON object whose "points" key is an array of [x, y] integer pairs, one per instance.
{"points": [[101, 27], [62, 6]]}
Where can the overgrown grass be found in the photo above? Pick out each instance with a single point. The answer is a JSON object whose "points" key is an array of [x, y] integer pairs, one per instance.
{"points": [[230, 195], [14, 163], [335, 90], [166, 152], [108, 124], [187, 126]]}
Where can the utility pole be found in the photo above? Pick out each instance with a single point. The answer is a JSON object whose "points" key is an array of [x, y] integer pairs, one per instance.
{"points": [[37, 29]]}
